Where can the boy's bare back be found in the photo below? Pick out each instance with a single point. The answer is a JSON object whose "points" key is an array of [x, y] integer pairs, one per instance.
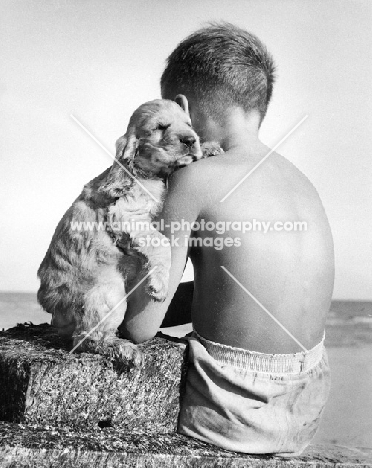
{"points": [[263, 291], [289, 272]]}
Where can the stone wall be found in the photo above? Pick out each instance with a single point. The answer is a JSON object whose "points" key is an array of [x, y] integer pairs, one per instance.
{"points": [[74, 410]]}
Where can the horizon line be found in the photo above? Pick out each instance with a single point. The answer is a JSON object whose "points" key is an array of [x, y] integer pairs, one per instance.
{"points": [[18, 291]]}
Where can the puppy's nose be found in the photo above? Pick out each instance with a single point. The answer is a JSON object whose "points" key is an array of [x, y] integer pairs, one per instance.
{"points": [[188, 140]]}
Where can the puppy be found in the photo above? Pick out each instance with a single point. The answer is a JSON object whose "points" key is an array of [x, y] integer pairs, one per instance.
{"points": [[102, 242]]}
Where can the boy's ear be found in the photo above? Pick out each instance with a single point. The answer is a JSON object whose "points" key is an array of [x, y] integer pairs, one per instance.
{"points": [[182, 101]]}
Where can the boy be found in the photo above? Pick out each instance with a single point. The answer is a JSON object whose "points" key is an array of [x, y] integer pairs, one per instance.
{"points": [[258, 376]]}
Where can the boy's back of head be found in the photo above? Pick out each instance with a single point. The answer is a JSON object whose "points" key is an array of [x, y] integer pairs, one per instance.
{"points": [[219, 67]]}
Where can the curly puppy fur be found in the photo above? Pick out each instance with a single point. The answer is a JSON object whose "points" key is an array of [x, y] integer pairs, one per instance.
{"points": [[86, 273]]}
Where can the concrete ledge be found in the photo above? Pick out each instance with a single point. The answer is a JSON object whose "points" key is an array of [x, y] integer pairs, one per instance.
{"points": [[26, 446], [41, 383]]}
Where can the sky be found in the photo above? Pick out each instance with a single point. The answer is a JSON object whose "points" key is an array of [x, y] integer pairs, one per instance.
{"points": [[98, 61]]}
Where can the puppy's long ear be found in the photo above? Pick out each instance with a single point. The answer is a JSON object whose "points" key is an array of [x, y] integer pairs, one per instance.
{"points": [[118, 180], [126, 146], [182, 101]]}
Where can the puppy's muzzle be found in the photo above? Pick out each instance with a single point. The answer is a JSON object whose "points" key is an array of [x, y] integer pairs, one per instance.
{"points": [[194, 151], [188, 140], [186, 160]]}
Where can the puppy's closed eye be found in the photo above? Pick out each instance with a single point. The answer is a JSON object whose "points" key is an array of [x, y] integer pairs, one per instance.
{"points": [[162, 127]]}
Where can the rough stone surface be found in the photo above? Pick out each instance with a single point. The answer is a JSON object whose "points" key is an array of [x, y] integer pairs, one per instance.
{"points": [[42, 383], [69, 410], [33, 446]]}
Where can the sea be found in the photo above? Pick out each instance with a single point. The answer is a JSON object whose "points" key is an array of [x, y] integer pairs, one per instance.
{"points": [[347, 418]]}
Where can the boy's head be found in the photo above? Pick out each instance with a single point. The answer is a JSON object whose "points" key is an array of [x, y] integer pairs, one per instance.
{"points": [[219, 67]]}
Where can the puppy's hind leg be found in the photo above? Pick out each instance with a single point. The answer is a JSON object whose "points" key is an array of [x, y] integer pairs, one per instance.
{"points": [[104, 308]]}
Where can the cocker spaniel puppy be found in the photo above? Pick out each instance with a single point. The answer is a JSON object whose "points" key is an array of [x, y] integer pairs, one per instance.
{"points": [[97, 250]]}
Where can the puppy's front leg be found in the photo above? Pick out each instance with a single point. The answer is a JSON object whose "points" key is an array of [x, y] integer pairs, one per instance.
{"points": [[156, 248]]}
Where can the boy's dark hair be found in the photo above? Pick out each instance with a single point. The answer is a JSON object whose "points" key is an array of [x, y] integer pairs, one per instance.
{"points": [[218, 67]]}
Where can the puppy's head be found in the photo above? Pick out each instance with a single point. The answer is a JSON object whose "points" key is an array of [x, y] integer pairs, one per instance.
{"points": [[159, 138]]}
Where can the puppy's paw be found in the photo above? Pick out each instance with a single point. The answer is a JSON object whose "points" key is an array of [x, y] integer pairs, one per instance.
{"points": [[157, 286], [123, 353], [211, 148], [124, 350], [158, 295]]}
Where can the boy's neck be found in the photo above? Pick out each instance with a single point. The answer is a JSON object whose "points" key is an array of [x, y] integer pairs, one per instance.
{"points": [[240, 130]]}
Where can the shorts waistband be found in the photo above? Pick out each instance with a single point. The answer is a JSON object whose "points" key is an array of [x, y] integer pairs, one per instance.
{"points": [[260, 362]]}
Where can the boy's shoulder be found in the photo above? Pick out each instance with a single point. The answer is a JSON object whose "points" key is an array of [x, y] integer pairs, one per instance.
{"points": [[200, 172], [208, 169], [275, 176], [227, 167]]}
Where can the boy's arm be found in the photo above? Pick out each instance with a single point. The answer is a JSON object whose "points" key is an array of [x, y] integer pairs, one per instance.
{"points": [[144, 316]]}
